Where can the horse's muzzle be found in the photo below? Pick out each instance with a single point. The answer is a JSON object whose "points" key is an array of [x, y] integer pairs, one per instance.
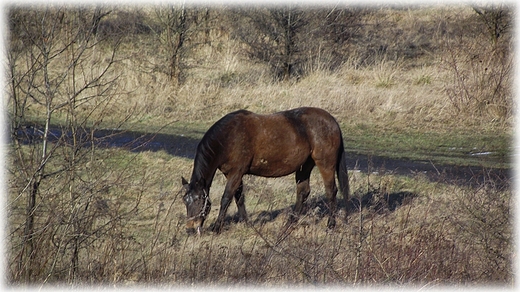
{"points": [[193, 231], [194, 226]]}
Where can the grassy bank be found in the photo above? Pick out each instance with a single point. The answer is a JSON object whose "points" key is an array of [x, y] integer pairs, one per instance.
{"points": [[457, 147]]}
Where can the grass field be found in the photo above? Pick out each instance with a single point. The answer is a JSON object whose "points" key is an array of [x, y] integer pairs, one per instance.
{"points": [[111, 216], [396, 107], [407, 231]]}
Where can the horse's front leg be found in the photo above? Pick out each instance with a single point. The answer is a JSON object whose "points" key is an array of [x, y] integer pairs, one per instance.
{"points": [[232, 186]]}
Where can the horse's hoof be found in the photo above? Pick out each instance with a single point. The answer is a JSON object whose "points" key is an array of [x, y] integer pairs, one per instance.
{"points": [[216, 228], [331, 224]]}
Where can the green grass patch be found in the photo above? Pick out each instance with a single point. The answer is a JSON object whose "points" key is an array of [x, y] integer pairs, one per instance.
{"points": [[486, 148], [456, 147]]}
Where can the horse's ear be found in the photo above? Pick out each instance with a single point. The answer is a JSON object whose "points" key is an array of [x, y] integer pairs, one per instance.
{"points": [[185, 183]]}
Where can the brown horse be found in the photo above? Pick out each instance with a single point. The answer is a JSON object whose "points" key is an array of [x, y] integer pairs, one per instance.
{"points": [[274, 145]]}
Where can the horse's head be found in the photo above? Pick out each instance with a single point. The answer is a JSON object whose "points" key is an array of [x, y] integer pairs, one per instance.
{"points": [[197, 204]]}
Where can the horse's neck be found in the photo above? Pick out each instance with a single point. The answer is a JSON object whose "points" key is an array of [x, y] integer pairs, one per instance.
{"points": [[203, 169]]}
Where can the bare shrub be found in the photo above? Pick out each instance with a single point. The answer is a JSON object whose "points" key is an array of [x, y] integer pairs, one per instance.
{"points": [[481, 70], [294, 39], [483, 221], [59, 71]]}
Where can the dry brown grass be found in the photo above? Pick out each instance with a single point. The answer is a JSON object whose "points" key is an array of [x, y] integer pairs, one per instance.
{"points": [[133, 217], [384, 94], [437, 234], [349, 93], [373, 87]]}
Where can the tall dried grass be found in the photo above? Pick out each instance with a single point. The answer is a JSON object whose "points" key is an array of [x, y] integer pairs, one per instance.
{"points": [[401, 231], [384, 93], [132, 219], [426, 76]]}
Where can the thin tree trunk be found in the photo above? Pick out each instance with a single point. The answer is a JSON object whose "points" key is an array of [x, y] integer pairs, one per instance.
{"points": [[288, 47], [177, 44]]}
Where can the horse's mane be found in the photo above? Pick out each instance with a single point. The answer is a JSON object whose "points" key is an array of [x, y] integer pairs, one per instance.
{"points": [[210, 147]]}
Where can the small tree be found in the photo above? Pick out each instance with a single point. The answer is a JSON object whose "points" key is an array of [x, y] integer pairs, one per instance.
{"points": [[286, 37], [271, 36], [497, 19], [177, 32], [175, 23], [481, 65], [57, 69]]}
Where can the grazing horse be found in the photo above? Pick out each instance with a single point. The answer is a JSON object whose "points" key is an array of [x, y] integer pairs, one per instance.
{"points": [[273, 145]]}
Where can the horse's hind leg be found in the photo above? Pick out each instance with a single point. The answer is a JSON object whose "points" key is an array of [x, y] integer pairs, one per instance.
{"points": [[239, 199], [303, 189], [327, 174]]}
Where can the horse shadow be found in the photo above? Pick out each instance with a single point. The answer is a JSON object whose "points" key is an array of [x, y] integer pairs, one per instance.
{"points": [[374, 200]]}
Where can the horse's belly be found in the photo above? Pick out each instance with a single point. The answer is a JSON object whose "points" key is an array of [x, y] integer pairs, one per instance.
{"points": [[278, 165]]}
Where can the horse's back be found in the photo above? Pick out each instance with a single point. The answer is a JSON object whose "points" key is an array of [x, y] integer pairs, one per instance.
{"points": [[301, 129], [320, 125], [300, 125], [283, 141], [309, 123]]}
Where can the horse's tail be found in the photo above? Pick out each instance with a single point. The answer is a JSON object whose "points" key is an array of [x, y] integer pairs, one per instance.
{"points": [[341, 170]]}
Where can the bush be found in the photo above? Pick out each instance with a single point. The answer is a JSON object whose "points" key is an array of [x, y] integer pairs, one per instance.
{"points": [[481, 70]]}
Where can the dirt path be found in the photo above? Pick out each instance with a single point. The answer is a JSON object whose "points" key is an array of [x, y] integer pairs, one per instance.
{"points": [[183, 146]]}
